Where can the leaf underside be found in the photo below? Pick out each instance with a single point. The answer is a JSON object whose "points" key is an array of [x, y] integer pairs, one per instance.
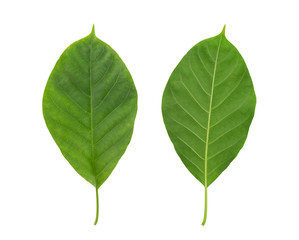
{"points": [[89, 106], [208, 105]]}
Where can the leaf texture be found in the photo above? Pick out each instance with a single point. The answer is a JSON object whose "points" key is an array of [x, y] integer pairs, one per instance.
{"points": [[89, 106], [208, 105]]}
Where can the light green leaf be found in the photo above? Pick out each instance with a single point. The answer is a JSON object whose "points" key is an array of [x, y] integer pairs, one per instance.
{"points": [[208, 105], [89, 106]]}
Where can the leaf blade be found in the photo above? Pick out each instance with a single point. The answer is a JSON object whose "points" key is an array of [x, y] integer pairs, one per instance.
{"points": [[89, 106], [216, 109]]}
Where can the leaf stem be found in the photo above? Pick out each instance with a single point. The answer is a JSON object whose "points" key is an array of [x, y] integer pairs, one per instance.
{"points": [[97, 214], [206, 206]]}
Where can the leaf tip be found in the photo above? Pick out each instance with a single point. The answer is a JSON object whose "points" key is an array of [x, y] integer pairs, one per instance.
{"points": [[92, 30], [223, 30]]}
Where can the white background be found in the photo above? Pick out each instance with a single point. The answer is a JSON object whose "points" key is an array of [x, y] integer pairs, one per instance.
{"points": [[150, 194]]}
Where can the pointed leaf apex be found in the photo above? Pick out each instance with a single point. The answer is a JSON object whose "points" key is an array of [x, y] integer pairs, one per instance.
{"points": [[223, 30], [92, 31]]}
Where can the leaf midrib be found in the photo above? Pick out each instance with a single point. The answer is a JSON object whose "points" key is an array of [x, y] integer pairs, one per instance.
{"points": [[209, 117], [91, 112]]}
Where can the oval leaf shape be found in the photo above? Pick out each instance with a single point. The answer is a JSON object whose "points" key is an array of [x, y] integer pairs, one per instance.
{"points": [[89, 106], [208, 105]]}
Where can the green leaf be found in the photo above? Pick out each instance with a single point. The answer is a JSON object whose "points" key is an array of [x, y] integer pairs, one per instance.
{"points": [[208, 105], [89, 105]]}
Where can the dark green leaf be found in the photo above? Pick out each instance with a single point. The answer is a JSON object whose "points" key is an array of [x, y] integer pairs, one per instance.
{"points": [[208, 105], [89, 106]]}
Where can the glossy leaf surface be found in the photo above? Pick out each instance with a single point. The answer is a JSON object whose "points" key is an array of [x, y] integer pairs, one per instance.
{"points": [[208, 105], [89, 106]]}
